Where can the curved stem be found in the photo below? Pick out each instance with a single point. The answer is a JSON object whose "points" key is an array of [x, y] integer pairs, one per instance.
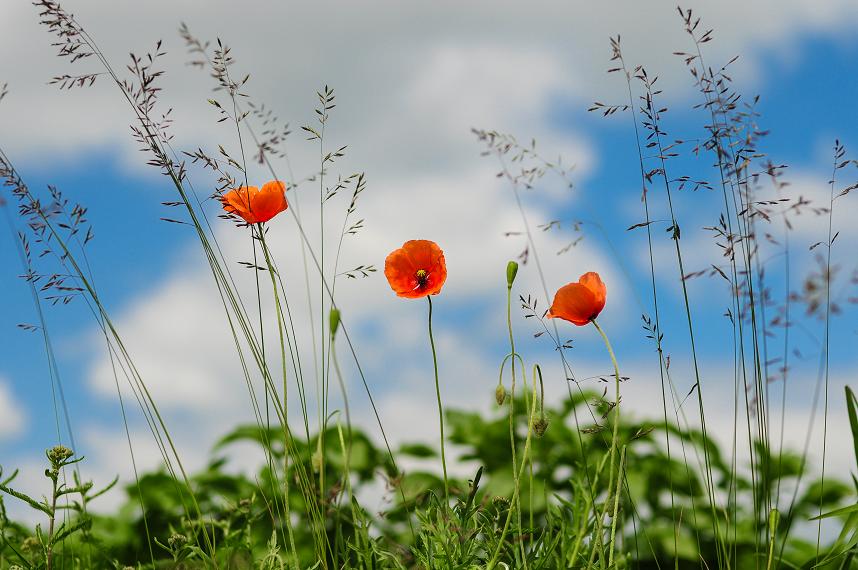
{"points": [[531, 414], [615, 436], [512, 391], [440, 406]]}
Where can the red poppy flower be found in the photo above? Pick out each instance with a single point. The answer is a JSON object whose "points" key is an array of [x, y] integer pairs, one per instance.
{"points": [[581, 302], [416, 269], [256, 206]]}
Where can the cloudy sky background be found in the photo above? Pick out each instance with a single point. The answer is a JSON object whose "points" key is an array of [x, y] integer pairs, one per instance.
{"points": [[411, 81]]}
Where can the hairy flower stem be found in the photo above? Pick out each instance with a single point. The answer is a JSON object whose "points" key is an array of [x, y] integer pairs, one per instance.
{"points": [[614, 440], [280, 325], [516, 504], [49, 552], [530, 421], [440, 407], [616, 507]]}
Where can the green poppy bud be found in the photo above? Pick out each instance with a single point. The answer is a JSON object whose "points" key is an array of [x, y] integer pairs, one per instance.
{"points": [[500, 394], [511, 270], [539, 426], [335, 321], [316, 461]]}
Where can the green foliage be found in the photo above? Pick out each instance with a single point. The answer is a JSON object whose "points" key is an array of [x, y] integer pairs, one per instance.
{"points": [[663, 509]]}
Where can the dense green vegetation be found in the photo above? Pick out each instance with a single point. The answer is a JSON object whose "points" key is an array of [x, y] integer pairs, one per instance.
{"points": [[665, 515]]}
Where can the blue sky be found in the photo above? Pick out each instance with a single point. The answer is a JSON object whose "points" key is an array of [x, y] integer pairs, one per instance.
{"points": [[146, 268]]}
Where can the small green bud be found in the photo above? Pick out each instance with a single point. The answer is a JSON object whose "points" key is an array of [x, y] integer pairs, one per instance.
{"points": [[31, 544], [511, 270], [500, 502], [539, 426], [335, 321], [316, 461], [500, 394], [177, 541], [58, 455]]}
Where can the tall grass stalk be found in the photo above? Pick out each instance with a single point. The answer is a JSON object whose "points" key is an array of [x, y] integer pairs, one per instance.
{"points": [[655, 331]]}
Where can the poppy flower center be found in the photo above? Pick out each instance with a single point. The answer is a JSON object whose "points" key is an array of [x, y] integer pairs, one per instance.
{"points": [[422, 278]]}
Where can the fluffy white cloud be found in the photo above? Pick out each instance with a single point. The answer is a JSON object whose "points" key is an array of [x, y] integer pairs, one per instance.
{"points": [[492, 54], [13, 418]]}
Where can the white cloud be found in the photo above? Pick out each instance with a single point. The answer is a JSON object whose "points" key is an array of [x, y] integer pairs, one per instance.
{"points": [[492, 55], [13, 418]]}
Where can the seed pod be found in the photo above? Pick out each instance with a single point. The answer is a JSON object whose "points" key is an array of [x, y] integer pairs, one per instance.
{"points": [[500, 394], [539, 426]]}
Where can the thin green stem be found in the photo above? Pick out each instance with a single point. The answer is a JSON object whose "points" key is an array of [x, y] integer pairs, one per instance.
{"points": [[531, 414], [615, 435], [616, 507], [440, 407], [516, 504], [280, 328]]}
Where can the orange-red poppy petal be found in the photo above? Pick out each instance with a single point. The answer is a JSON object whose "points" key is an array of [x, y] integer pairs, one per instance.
{"points": [[238, 202], [581, 302], [270, 201], [416, 269], [256, 206], [574, 303], [593, 282], [400, 272]]}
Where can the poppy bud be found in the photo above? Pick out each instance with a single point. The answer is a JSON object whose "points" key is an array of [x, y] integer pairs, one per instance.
{"points": [[511, 270], [539, 426], [334, 321], [500, 394]]}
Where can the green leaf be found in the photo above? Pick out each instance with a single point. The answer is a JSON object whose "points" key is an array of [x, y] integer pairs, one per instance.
{"points": [[67, 529], [417, 450], [29, 500], [851, 405], [837, 512]]}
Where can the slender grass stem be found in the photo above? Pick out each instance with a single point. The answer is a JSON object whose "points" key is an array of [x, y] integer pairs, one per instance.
{"points": [[657, 332], [838, 155]]}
